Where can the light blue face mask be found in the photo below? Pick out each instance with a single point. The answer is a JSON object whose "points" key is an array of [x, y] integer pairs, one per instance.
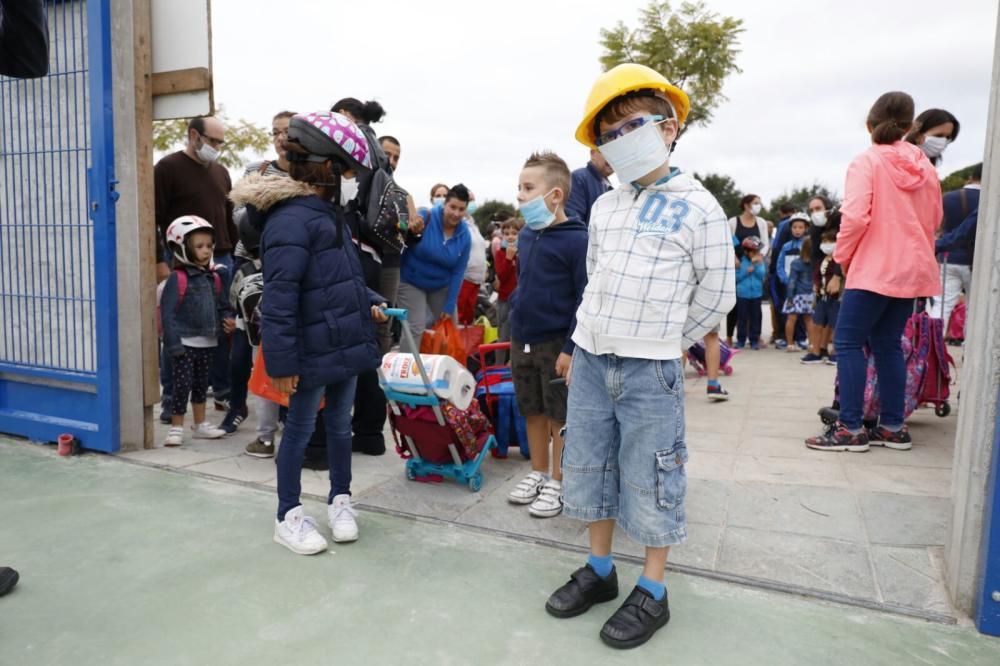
{"points": [[437, 201], [472, 207], [536, 214]]}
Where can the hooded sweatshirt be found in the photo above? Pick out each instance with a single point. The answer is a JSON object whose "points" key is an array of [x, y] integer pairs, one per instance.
{"points": [[436, 262], [551, 276], [891, 209], [660, 268]]}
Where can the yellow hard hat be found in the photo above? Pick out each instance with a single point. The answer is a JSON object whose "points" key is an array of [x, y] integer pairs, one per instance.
{"points": [[623, 79]]}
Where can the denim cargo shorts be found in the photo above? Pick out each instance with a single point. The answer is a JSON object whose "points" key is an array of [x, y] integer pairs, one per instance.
{"points": [[624, 454]]}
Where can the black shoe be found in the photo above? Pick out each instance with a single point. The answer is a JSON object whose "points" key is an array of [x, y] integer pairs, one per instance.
{"points": [[636, 620], [165, 413], [584, 589], [233, 420], [838, 438], [892, 439], [8, 579], [370, 445]]}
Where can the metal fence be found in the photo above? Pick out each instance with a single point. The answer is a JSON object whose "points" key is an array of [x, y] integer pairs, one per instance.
{"points": [[58, 356]]}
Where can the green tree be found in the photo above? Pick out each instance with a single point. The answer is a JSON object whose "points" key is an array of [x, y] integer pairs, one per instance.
{"points": [[724, 190], [693, 47], [245, 141], [957, 179], [799, 197], [485, 213]]}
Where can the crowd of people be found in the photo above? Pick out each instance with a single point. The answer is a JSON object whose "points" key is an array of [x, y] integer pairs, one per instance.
{"points": [[599, 290]]}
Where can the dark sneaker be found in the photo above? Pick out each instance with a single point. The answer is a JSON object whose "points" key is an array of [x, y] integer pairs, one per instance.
{"points": [[811, 359], [838, 438], [781, 344], [260, 449], [899, 439], [8, 579], [370, 445], [717, 394], [222, 404], [165, 412], [802, 345], [636, 621], [233, 420], [584, 589], [831, 359]]}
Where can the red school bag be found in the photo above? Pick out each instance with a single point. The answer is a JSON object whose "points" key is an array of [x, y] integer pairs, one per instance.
{"points": [[182, 285]]}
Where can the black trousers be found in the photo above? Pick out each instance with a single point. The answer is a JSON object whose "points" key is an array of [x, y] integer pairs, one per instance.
{"points": [[748, 321], [369, 400]]}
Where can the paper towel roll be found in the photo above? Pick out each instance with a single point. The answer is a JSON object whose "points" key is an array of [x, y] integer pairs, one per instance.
{"points": [[449, 380]]}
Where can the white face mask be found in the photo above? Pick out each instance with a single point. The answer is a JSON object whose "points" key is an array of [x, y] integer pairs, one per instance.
{"points": [[827, 248], [933, 146], [637, 153], [438, 201], [755, 209], [207, 153], [819, 218], [348, 190]]}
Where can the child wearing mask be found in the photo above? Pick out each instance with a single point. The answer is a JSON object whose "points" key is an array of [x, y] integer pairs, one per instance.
{"points": [[828, 279], [505, 261], [661, 276], [798, 225], [551, 276], [193, 312], [799, 295], [749, 292]]}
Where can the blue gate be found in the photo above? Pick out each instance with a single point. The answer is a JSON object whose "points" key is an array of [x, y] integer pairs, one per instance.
{"points": [[58, 301]]}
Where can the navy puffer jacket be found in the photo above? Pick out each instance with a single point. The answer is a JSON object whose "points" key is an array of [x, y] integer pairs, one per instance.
{"points": [[316, 310]]}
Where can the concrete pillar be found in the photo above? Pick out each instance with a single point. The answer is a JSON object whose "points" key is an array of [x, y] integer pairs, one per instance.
{"points": [[980, 381], [137, 346]]}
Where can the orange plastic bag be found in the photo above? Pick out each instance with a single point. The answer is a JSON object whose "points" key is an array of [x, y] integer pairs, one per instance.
{"points": [[472, 337], [260, 383], [444, 339]]}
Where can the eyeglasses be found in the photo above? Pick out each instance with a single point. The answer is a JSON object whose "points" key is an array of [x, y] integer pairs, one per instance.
{"points": [[627, 128], [215, 143]]}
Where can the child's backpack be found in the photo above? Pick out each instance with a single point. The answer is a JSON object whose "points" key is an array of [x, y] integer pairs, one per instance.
{"points": [[956, 324], [248, 305], [182, 285]]}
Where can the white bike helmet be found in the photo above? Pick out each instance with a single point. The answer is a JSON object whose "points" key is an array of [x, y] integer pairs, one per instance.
{"points": [[179, 229]]}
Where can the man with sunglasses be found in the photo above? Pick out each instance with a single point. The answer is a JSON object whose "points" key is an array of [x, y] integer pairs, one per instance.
{"points": [[192, 182]]}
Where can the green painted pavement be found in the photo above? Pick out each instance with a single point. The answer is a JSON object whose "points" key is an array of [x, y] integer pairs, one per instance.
{"points": [[123, 564]]}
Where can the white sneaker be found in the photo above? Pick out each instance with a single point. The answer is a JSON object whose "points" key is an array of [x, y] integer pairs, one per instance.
{"points": [[342, 519], [549, 502], [175, 436], [207, 431], [527, 490], [297, 532]]}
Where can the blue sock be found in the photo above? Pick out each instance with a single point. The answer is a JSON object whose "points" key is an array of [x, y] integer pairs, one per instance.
{"points": [[602, 566], [714, 382], [658, 590]]}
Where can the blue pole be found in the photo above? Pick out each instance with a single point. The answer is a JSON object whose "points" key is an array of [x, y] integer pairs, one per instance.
{"points": [[988, 607]]}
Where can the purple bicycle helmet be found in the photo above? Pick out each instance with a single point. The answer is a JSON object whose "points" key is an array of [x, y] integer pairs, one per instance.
{"points": [[327, 135]]}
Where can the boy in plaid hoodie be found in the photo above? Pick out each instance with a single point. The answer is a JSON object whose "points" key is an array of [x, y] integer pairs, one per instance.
{"points": [[661, 276]]}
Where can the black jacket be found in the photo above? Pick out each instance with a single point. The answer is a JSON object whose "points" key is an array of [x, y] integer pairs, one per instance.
{"points": [[24, 39]]}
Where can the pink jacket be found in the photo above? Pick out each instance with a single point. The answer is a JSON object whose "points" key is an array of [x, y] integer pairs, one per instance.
{"points": [[891, 209]]}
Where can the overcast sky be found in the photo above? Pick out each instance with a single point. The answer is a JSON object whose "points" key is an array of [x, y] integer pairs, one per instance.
{"points": [[471, 89]]}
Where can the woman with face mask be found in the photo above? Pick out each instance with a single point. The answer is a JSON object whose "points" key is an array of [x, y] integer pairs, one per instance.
{"points": [[933, 131], [743, 226], [885, 247], [433, 269]]}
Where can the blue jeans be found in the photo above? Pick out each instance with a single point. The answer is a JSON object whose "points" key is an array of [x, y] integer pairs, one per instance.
{"points": [[625, 453], [878, 320], [748, 321], [299, 426]]}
